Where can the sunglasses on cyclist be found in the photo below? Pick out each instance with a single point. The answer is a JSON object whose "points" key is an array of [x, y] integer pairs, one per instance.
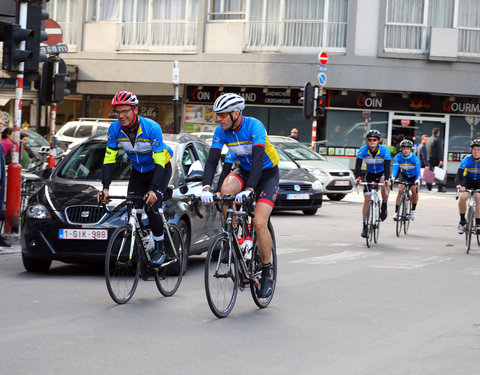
{"points": [[372, 139], [222, 115], [119, 113]]}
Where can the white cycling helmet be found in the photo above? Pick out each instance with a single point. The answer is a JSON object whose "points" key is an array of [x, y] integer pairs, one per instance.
{"points": [[228, 103]]}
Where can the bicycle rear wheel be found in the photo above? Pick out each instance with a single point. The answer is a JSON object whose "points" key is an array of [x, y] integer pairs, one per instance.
{"points": [[221, 276], [256, 270], [122, 265], [170, 274], [469, 228], [376, 227]]}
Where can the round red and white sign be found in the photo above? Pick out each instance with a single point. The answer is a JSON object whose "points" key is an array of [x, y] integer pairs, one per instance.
{"points": [[323, 58], [405, 122], [54, 32]]}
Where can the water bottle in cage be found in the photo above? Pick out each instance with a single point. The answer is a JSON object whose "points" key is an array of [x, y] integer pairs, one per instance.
{"points": [[247, 248]]}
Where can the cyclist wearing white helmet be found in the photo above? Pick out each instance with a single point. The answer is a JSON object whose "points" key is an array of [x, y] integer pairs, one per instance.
{"points": [[245, 137], [150, 156], [468, 177], [378, 158], [406, 165]]}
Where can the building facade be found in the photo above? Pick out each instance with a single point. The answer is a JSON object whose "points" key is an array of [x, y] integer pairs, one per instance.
{"points": [[403, 67]]}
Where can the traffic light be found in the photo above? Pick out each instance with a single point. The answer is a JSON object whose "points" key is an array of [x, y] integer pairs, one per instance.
{"points": [[35, 16], [308, 100], [321, 101], [13, 34], [60, 81], [54, 81]]}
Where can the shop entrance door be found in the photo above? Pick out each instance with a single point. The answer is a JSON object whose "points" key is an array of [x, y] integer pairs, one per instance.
{"points": [[411, 126]]}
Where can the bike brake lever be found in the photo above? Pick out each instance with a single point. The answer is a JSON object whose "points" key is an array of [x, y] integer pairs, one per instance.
{"points": [[195, 206]]}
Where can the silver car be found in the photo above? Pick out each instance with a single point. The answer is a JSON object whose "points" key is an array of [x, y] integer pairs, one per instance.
{"points": [[337, 179]]}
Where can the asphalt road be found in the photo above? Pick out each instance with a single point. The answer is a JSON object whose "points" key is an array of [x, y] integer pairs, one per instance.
{"points": [[407, 305]]}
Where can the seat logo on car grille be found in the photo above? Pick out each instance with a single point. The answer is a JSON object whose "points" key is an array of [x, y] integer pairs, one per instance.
{"points": [[296, 187], [85, 214]]}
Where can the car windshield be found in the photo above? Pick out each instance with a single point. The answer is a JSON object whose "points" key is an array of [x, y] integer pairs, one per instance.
{"points": [[285, 161], [35, 139], [298, 151], [102, 129], [86, 161]]}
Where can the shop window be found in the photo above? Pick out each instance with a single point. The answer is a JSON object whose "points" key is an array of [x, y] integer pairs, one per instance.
{"points": [[462, 131]]}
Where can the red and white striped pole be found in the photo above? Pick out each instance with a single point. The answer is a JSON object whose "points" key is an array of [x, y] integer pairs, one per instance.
{"points": [[53, 150], [314, 123], [14, 179]]}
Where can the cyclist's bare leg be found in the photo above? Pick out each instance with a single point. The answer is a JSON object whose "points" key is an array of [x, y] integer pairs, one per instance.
{"points": [[365, 206], [231, 186], [462, 202], [413, 190], [477, 205], [384, 190], [260, 223], [400, 192]]}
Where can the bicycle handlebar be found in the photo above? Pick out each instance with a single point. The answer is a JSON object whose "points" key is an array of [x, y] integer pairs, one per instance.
{"points": [[247, 203], [469, 191]]}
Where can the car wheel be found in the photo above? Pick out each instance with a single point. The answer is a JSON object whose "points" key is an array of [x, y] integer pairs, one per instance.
{"points": [[310, 211], [185, 231], [336, 197], [36, 265]]}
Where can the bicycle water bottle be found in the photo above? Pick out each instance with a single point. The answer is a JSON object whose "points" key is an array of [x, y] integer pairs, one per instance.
{"points": [[241, 243], [247, 246]]}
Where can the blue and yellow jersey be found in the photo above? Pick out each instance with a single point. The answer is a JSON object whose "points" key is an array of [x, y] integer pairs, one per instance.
{"points": [[375, 164], [148, 150], [410, 165], [470, 168], [240, 142]]}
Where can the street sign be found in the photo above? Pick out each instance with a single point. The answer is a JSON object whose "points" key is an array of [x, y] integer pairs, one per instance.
{"points": [[322, 68], [54, 31], [366, 114], [322, 79], [53, 50], [323, 58], [405, 122]]}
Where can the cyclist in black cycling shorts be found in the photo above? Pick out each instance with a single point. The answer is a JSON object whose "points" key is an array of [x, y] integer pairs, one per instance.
{"points": [[378, 159], [151, 169], [245, 137]]}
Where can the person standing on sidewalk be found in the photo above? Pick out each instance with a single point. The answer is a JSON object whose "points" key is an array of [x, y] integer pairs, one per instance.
{"points": [[422, 155], [3, 242], [435, 154]]}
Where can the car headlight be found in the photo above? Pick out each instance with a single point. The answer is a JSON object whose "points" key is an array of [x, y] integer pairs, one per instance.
{"points": [[38, 211], [318, 172], [317, 186]]}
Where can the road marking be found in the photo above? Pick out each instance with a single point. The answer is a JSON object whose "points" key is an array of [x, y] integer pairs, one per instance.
{"points": [[342, 257], [291, 250], [414, 263]]}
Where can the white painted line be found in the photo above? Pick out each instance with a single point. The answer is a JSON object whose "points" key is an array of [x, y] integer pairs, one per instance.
{"points": [[290, 250], [342, 257], [414, 263]]}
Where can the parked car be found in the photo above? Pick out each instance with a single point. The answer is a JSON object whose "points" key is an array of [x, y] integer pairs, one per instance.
{"points": [[337, 179], [74, 132], [298, 189], [68, 201]]}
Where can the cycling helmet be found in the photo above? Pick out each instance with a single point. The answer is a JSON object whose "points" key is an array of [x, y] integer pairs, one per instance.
{"points": [[228, 103], [475, 142], [374, 134], [406, 143], [125, 98]]}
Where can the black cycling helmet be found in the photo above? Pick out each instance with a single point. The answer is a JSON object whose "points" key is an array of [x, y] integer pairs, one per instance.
{"points": [[475, 142], [406, 143], [374, 134]]}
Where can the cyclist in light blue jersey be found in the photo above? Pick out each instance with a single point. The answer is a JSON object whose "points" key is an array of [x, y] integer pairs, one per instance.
{"points": [[378, 159], [406, 165], [468, 177]]}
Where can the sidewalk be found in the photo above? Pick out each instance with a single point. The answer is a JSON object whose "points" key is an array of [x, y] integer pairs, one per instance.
{"points": [[14, 240]]}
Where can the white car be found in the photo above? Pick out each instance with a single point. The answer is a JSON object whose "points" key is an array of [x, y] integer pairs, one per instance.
{"points": [[75, 132], [337, 179]]}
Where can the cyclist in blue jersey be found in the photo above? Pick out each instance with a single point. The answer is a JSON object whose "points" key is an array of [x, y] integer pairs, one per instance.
{"points": [[406, 165], [377, 158], [247, 139], [468, 177], [150, 156]]}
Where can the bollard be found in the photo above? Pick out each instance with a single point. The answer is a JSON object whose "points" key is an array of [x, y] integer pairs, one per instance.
{"points": [[14, 197]]}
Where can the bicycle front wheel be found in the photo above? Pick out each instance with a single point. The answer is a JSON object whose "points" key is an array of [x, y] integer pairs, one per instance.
{"points": [[170, 274], [122, 265], [256, 269], [369, 228], [221, 276], [408, 211], [400, 217], [469, 228], [376, 227]]}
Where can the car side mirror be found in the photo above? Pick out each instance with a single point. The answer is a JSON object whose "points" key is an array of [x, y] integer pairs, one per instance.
{"points": [[195, 172]]}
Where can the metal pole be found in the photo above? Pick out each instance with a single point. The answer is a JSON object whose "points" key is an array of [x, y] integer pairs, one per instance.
{"points": [[314, 124], [53, 117], [176, 96], [14, 179]]}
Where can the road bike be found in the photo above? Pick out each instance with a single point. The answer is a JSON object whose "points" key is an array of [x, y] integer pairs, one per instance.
{"points": [[230, 265], [129, 252], [404, 214], [470, 218], [373, 212]]}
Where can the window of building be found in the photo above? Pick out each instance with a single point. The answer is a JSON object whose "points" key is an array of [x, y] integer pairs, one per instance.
{"points": [[296, 25], [64, 12], [408, 24], [220, 10]]}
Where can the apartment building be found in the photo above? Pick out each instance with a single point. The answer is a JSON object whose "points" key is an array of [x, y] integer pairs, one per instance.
{"points": [[403, 67]]}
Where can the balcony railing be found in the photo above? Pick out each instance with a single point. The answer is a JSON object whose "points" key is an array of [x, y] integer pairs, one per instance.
{"points": [[162, 36], [296, 35]]}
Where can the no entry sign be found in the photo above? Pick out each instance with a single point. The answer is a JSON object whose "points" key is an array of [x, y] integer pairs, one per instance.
{"points": [[323, 58], [54, 32]]}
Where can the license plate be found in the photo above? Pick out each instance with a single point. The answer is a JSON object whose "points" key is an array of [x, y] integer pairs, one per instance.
{"points": [[342, 183], [298, 196], [83, 234]]}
